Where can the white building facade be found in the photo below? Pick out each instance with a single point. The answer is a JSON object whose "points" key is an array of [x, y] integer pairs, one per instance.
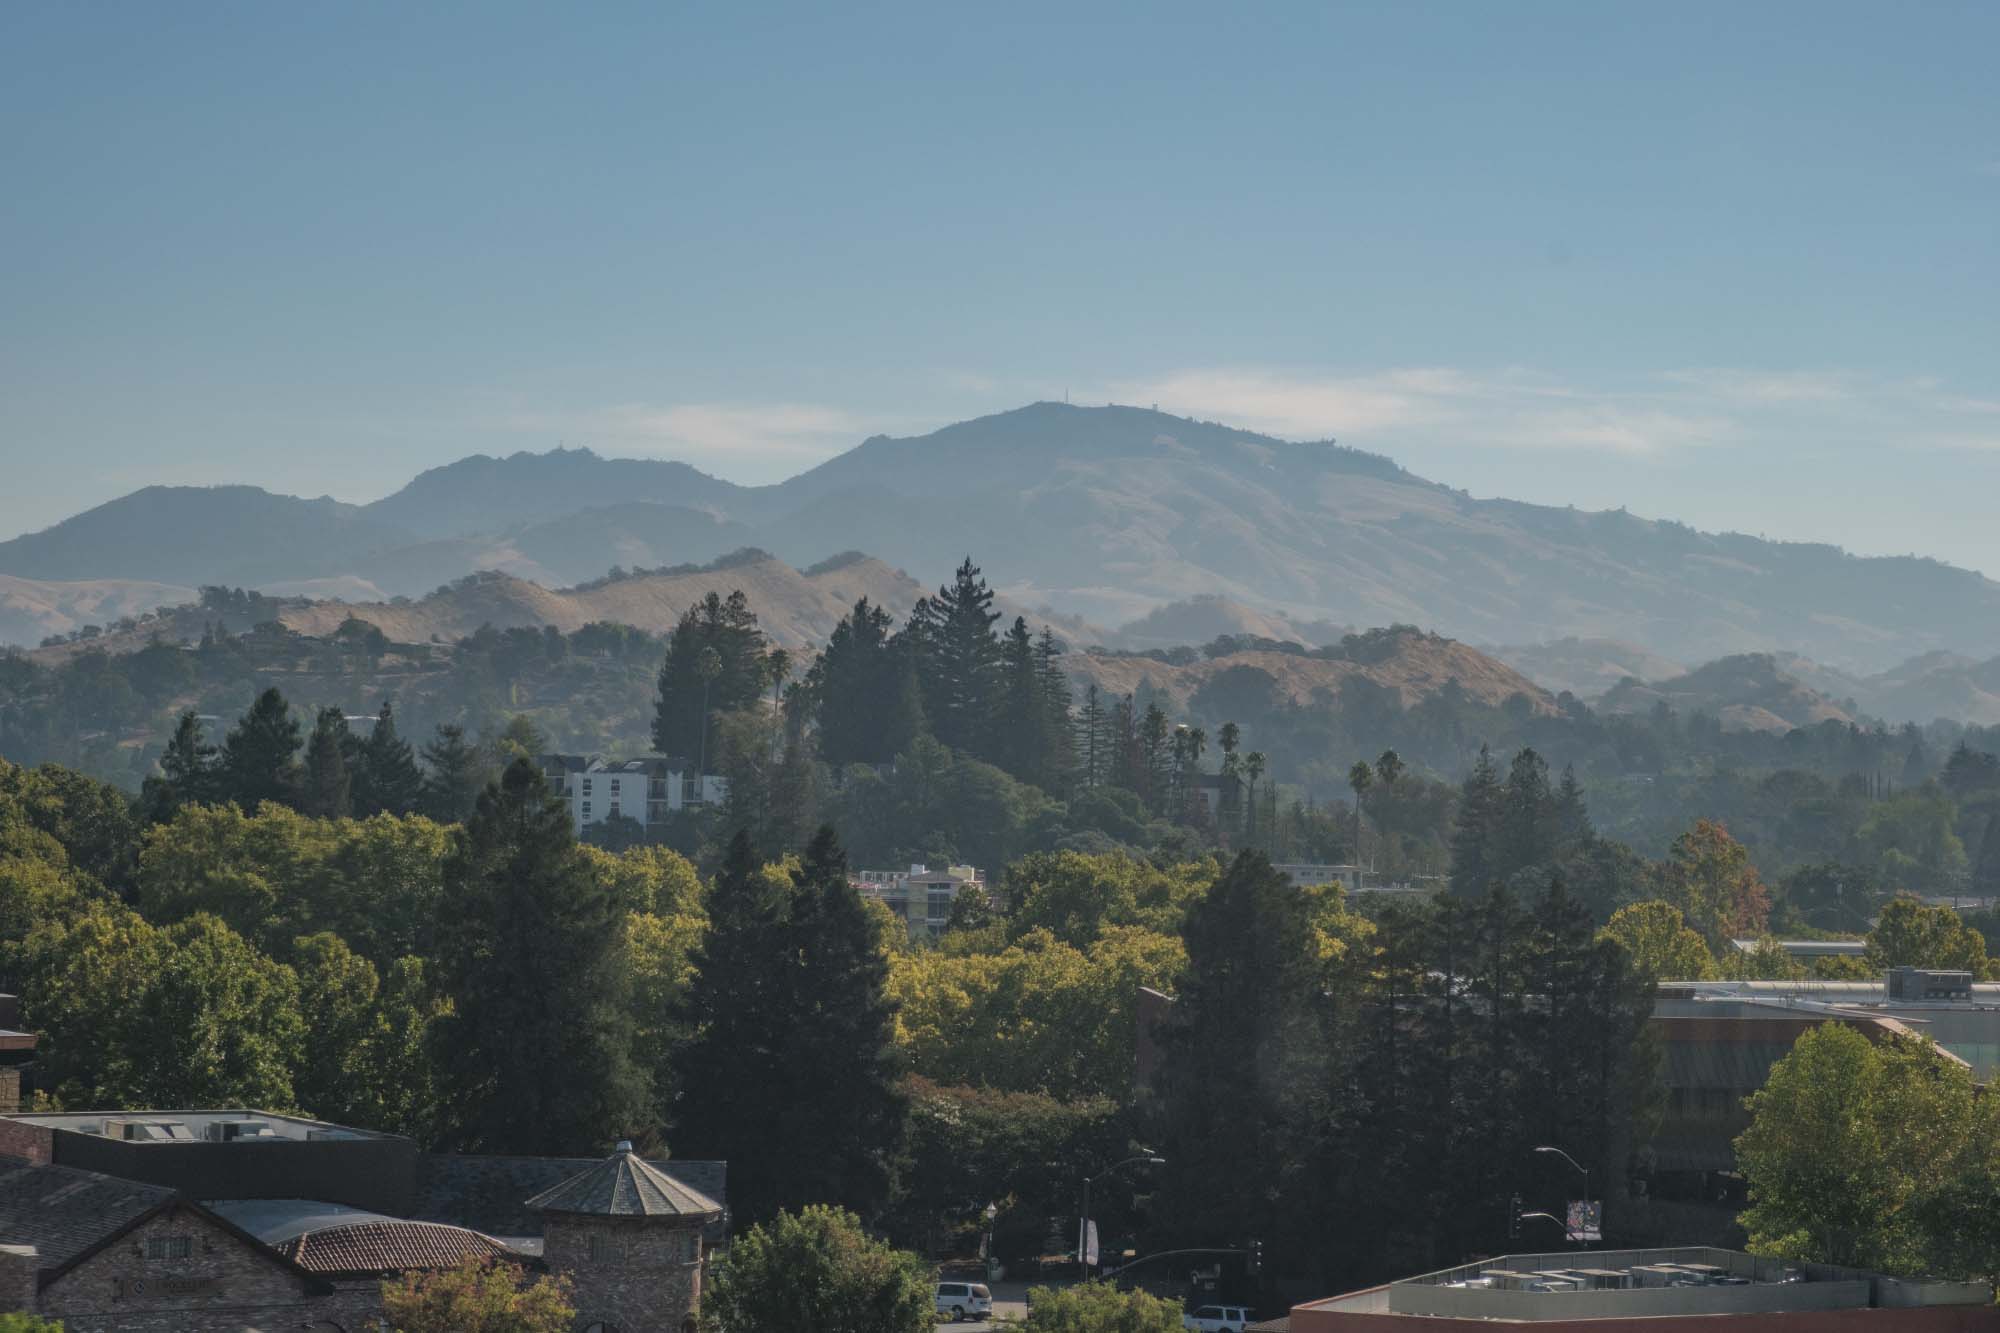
{"points": [[649, 791]]}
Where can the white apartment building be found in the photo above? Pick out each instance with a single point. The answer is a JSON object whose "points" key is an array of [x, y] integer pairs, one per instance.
{"points": [[647, 790]]}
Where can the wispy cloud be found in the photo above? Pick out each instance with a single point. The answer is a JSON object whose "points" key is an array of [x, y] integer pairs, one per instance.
{"points": [[746, 441], [1519, 409]]}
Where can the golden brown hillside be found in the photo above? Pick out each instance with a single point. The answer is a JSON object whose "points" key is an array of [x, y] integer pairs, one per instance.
{"points": [[1414, 664], [796, 609]]}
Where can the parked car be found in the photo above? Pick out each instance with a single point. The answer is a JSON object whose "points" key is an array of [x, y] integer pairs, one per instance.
{"points": [[964, 1300], [1217, 1319]]}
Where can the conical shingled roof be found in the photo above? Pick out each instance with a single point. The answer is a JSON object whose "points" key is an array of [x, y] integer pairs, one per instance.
{"points": [[624, 1186]]}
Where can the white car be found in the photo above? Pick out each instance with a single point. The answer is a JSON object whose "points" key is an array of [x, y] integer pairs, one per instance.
{"points": [[964, 1300], [1217, 1319]]}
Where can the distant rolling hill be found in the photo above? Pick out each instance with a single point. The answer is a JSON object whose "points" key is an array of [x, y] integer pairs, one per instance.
{"points": [[1585, 667], [797, 609], [1410, 662], [1107, 513], [1747, 692], [31, 610]]}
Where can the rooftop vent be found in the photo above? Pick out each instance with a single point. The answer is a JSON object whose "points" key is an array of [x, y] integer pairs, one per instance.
{"points": [[1924, 983], [232, 1131], [148, 1131]]}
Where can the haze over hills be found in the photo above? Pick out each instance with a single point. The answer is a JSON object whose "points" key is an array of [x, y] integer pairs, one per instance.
{"points": [[1103, 512]]}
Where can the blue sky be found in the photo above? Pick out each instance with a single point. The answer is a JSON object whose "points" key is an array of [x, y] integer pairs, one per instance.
{"points": [[1733, 264]]}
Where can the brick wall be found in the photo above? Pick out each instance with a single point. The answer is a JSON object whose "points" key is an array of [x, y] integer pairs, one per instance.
{"points": [[640, 1273], [226, 1284], [19, 1267], [33, 1144]]}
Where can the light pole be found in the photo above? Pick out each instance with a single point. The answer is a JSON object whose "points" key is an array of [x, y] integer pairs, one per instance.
{"points": [[1083, 1223], [1580, 1238], [992, 1211]]}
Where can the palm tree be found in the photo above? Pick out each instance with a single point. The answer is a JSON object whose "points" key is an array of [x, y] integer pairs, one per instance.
{"points": [[778, 663], [1361, 778]]}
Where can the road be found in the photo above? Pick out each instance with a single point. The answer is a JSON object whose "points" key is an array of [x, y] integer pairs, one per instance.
{"points": [[1010, 1306]]}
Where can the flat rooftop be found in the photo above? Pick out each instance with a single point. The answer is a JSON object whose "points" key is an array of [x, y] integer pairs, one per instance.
{"points": [[227, 1126], [1644, 1284]]}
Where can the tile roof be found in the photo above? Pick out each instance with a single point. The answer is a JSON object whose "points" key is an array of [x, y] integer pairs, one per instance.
{"points": [[386, 1247], [623, 1185], [489, 1194], [63, 1211]]}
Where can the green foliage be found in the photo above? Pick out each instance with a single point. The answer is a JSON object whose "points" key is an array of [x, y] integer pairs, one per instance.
{"points": [[1022, 1152], [816, 1271], [535, 1055], [186, 1015], [1877, 1155], [478, 1297], [27, 1323], [864, 687], [787, 1072], [1909, 934], [1657, 937], [259, 759], [1099, 1307]]}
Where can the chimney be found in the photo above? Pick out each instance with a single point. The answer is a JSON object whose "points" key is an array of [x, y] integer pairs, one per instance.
{"points": [[10, 1012], [10, 1090], [20, 1274]]}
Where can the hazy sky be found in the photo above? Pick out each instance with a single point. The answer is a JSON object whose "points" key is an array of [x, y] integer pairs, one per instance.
{"points": [[1734, 263]]}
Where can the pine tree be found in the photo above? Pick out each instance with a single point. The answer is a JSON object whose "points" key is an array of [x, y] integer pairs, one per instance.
{"points": [[1020, 734], [387, 780], [327, 784], [843, 1118], [535, 1055], [739, 1010], [260, 754], [1473, 853], [856, 682], [458, 772], [959, 661], [715, 663], [188, 773], [1528, 822], [1092, 735], [1059, 763]]}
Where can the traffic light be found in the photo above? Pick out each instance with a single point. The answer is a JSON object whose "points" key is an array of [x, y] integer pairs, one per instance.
{"points": [[1253, 1258], [1514, 1218]]}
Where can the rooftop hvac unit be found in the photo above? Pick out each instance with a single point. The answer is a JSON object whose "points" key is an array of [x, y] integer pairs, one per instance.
{"points": [[232, 1131], [1926, 983], [148, 1131]]}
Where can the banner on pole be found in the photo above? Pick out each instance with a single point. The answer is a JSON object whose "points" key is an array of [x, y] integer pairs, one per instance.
{"points": [[1090, 1246], [1586, 1220]]}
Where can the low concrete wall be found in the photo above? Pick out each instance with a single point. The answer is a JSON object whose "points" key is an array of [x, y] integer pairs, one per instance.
{"points": [[1637, 1303]]}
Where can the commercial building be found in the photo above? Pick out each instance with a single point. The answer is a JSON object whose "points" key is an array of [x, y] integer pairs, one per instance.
{"points": [[922, 897], [648, 791], [1719, 1040], [1687, 1290], [232, 1220]]}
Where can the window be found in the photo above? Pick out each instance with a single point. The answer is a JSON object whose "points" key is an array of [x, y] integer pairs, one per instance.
{"points": [[603, 1248], [169, 1247]]}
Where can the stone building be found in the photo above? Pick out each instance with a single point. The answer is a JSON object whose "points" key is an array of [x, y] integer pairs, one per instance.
{"points": [[243, 1221], [631, 1239]]}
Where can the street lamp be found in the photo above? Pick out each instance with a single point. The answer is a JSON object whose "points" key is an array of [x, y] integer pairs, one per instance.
{"points": [[1586, 1181], [1083, 1223]]}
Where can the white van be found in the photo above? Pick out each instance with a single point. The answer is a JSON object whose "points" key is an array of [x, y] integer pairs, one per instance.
{"points": [[964, 1300], [1218, 1319]]}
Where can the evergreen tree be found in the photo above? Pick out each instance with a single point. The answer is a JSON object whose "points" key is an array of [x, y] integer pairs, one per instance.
{"points": [[843, 1118], [1093, 740], [738, 1011], [260, 754], [534, 1056], [714, 664], [1528, 823], [865, 691], [959, 661], [1473, 854], [458, 772], [327, 784], [1243, 1045], [1059, 762], [1021, 734], [387, 780], [188, 772]]}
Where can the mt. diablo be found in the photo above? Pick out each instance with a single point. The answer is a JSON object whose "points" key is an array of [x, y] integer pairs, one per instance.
{"points": [[1106, 513]]}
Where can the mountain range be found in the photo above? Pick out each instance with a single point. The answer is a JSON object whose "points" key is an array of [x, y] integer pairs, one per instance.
{"points": [[1102, 513]]}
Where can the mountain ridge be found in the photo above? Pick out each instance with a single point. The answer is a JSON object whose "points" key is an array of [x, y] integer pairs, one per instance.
{"points": [[1106, 513]]}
